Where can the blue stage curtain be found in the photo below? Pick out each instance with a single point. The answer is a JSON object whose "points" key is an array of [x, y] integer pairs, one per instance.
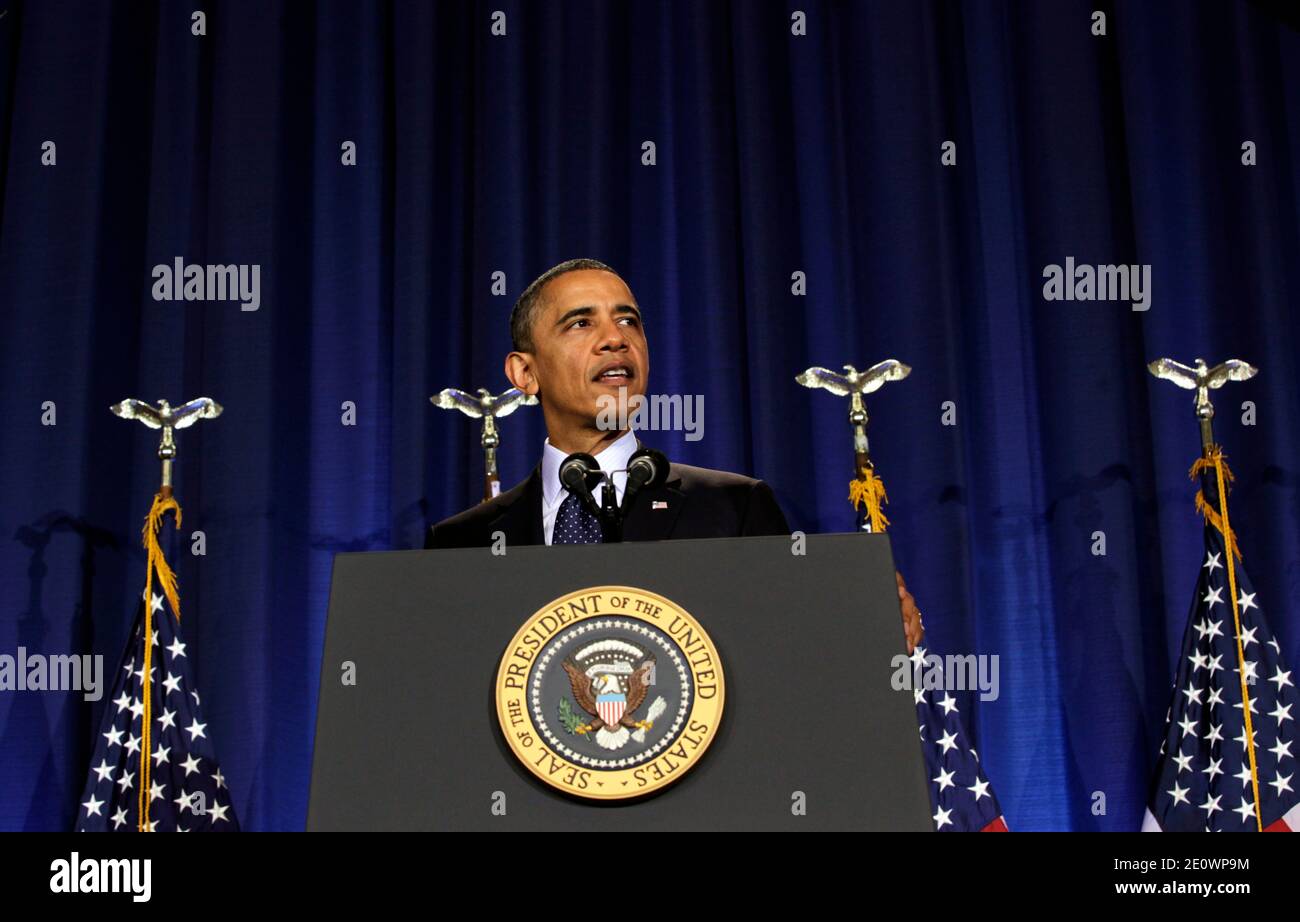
{"points": [[775, 154]]}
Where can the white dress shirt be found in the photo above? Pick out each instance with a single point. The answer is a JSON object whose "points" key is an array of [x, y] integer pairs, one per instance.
{"points": [[612, 458]]}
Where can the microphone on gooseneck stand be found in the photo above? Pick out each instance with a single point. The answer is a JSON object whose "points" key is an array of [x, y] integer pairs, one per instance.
{"points": [[579, 473], [646, 469]]}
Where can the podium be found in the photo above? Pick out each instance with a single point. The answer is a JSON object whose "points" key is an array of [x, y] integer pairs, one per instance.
{"points": [[810, 734]]}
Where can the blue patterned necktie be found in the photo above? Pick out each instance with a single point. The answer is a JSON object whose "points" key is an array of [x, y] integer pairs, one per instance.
{"points": [[574, 524]]}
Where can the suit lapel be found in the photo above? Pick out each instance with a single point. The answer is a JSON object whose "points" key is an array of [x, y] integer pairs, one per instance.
{"points": [[655, 512], [521, 521]]}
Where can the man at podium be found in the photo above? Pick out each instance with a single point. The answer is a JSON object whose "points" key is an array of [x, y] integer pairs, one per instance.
{"points": [[579, 343]]}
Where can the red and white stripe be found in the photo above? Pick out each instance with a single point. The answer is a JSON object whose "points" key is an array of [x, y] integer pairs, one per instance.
{"points": [[611, 711], [1290, 822]]}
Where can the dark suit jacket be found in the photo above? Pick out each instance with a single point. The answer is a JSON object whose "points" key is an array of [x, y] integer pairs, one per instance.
{"points": [[701, 503]]}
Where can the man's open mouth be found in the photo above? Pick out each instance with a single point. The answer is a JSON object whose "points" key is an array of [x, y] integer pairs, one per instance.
{"points": [[614, 374]]}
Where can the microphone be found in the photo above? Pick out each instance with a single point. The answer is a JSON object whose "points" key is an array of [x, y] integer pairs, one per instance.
{"points": [[579, 473], [647, 468]]}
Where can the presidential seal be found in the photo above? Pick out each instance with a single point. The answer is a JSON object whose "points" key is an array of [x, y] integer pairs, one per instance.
{"points": [[610, 692]]}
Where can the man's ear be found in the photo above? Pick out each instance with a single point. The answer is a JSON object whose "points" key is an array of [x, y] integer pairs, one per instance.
{"points": [[519, 369]]}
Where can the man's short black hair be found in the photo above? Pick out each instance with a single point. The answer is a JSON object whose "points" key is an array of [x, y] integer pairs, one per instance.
{"points": [[525, 310]]}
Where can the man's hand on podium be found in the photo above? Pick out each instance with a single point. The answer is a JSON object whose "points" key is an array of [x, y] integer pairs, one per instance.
{"points": [[912, 626]]}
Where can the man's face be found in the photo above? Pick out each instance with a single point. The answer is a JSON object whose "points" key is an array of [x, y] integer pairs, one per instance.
{"points": [[587, 343]]}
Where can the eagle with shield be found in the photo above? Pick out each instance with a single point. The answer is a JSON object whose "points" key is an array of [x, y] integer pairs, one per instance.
{"points": [[610, 680]]}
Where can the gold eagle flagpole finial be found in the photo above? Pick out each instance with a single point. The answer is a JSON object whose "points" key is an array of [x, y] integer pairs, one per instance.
{"points": [[488, 408], [168, 419], [866, 489]]}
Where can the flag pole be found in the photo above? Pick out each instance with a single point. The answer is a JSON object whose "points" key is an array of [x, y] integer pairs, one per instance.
{"points": [[168, 419], [1202, 379], [1219, 467], [484, 405], [867, 493], [163, 500], [865, 489], [489, 441]]}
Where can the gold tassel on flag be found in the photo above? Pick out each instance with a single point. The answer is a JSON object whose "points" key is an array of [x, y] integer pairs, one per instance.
{"points": [[870, 489], [1213, 457], [156, 562]]}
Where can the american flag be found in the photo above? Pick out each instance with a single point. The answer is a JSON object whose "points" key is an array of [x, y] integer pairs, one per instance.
{"points": [[962, 798], [187, 792], [1203, 780]]}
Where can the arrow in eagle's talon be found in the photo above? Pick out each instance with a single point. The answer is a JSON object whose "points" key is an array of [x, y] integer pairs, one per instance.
{"points": [[644, 724]]}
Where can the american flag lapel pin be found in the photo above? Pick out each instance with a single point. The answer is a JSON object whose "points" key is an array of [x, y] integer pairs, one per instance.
{"points": [[659, 504]]}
